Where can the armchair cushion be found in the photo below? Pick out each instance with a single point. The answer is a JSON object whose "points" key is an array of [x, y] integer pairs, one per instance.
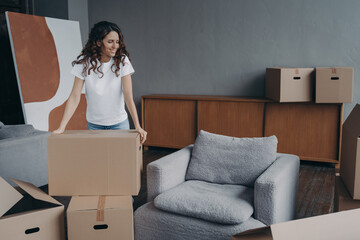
{"points": [[151, 223], [225, 204], [230, 160]]}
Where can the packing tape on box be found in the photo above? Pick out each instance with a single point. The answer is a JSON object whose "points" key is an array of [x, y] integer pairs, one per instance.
{"points": [[100, 209], [297, 71], [333, 70]]}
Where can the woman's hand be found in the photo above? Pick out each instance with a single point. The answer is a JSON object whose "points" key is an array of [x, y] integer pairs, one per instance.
{"points": [[58, 131], [143, 135]]}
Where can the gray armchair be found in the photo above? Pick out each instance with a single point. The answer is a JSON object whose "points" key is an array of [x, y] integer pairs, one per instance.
{"points": [[274, 200], [23, 154]]}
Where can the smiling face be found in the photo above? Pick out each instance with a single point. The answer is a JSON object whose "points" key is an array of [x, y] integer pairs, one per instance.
{"points": [[110, 44]]}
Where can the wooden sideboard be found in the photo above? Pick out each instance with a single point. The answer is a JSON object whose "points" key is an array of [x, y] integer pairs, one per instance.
{"points": [[309, 130]]}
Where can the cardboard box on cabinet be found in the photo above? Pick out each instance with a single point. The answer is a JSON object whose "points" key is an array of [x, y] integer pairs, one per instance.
{"points": [[35, 215], [93, 162], [290, 84], [350, 153], [334, 85], [343, 200], [334, 226], [100, 217]]}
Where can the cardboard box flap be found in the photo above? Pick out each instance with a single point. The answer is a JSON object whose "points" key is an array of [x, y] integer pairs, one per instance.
{"points": [[334, 226], [9, 196], [84, 203], [35, 192], [353, 120]]}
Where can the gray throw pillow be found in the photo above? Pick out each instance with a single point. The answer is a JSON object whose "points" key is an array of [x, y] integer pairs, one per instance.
{"points": [[230, 160], [10, 131], [225, 204]]}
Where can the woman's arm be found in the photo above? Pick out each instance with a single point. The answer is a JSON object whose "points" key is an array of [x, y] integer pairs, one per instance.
{"points": [[71, 104], [129, 100]]}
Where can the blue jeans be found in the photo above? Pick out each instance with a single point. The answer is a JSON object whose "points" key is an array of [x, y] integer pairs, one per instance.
{"points": [[122, 125]]}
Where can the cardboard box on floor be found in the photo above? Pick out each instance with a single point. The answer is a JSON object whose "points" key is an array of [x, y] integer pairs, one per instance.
{"points": [[334, 85], [343, 200], [93, 162], [350, 153], [100, 217], [34, 216], [334, 226], [289, 84]]}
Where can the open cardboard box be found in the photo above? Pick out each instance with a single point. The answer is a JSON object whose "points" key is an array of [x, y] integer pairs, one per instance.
{"points": [[94, 162], [289, 84], [33, 216], [350, 153], [100, 217], [334, 226]]}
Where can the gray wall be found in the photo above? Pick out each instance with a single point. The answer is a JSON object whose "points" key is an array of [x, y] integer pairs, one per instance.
{"points": [[78, 11], [51, 8], [222, 47]]}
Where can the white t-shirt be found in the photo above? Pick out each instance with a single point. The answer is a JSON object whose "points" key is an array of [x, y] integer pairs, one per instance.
{"points": [[104, 96]]}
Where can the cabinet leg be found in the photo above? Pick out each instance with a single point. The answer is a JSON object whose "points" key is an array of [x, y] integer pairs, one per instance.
{"points": [[337, 166]]}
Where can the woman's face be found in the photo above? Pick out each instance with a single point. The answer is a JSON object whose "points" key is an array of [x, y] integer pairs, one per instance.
{"points": [[110, 45]]}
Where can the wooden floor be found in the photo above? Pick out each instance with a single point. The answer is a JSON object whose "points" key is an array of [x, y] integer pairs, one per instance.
{"points": [[315, 193], [316, 189]]}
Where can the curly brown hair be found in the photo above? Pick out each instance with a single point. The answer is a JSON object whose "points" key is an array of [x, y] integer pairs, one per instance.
{"points": [[92, 52]]}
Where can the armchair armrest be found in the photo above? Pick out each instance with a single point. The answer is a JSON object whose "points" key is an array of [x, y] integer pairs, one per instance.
{"points": [[167, 172], [275, 190], [25, 158], [36, 134]]}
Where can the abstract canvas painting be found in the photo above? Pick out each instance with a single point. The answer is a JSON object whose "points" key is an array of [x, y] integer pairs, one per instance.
{"points": [[43, 49]]}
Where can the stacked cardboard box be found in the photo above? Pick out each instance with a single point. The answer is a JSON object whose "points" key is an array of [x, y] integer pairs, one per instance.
{"points": [[103, 217], [101, 170], [333, 85], [289, 84]]}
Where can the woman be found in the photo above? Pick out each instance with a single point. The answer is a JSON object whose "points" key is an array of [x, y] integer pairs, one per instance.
{"points": [[105, 69]]}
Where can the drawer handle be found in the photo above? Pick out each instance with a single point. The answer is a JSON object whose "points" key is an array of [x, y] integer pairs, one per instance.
{"points": [[335, 78], [297, 78], [32, 230], [101, 227]]}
